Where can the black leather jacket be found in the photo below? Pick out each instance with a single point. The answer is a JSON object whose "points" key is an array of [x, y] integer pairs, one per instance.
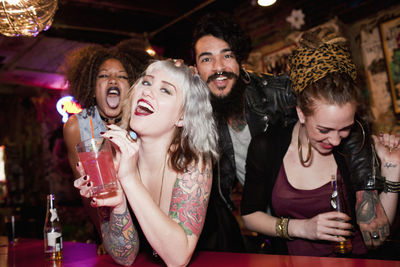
{"points": [[270, 100]]}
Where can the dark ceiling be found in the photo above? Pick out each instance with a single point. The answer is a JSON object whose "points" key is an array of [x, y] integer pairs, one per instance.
{"points": [[36, 61], [169, 23]]}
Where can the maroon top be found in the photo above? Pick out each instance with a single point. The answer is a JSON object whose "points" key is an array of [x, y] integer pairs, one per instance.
{"points": [[288, 201]]}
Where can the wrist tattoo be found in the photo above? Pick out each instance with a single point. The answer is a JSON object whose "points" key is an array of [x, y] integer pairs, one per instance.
{"points": [[390, 165]]}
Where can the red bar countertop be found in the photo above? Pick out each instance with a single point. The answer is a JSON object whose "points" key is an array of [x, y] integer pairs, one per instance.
{"points": [[29, 252]]}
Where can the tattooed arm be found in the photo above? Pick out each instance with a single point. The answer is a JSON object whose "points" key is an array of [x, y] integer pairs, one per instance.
{"points": [[372, 209], [189, 201], [389, 154], [173, 236], [119, 234]]}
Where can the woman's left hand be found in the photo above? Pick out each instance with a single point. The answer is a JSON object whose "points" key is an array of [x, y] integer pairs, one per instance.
{"points": [[387, 146], [126, 150]]}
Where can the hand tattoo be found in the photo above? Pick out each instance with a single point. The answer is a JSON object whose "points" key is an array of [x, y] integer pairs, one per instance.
{"points": [[366, 210]]}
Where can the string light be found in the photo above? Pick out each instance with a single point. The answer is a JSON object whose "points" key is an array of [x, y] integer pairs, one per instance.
{"points": [[26, 17], [266, 2], [148, 47]]}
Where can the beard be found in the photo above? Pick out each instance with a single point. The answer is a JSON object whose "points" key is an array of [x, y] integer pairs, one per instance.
{"points": [[232, 104]]}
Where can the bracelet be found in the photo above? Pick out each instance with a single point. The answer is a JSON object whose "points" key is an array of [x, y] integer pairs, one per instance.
{"points": [[281, 228], [392, 187], [387, 186]]}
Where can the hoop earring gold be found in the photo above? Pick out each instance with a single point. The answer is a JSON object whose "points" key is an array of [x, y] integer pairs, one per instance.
{"points": [[362, 143], [300, 148]]}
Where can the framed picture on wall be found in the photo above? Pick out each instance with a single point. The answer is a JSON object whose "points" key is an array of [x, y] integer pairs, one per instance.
{"points": [[390, 34]]}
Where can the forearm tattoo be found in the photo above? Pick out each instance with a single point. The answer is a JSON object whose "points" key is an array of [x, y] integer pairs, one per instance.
{"points": [[120, 237], [190, 199], [366, 211], [389, 165]]}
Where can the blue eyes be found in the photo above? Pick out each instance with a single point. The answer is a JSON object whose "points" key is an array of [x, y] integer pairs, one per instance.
{"points": [[164, 90]]}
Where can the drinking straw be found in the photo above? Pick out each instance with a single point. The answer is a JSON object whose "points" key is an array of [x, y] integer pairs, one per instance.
{"points": [[91, 126], [92, 141]]}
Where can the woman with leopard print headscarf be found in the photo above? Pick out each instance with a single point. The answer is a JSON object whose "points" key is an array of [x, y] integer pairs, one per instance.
{"points": [[298, 171]]}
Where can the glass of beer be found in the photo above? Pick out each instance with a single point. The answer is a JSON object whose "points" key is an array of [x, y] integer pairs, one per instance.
{"points": [[97, 160]]}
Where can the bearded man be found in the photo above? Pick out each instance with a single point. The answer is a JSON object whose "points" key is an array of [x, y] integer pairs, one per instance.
{"points": [[244, 104]]}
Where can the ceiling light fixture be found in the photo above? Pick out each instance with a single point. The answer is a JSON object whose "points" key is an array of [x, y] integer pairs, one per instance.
{"points": [[266, 2], [26, 17], [148, 47]]}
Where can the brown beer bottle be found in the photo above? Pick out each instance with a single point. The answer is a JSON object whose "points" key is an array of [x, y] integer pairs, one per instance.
{"points": [[52, 232]]}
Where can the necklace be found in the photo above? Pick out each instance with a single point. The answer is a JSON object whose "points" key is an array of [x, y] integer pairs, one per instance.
{"points": [[155, 254]]}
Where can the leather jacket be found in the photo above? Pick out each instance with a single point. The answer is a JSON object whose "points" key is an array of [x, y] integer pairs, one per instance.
{"points": [[269, 100]]}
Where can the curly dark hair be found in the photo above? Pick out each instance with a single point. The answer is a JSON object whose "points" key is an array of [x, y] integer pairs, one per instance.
{"points": [[82, 65], [222, 26]]}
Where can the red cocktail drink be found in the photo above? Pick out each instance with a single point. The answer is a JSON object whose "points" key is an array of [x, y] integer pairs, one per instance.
{"points": [[97, 160]]}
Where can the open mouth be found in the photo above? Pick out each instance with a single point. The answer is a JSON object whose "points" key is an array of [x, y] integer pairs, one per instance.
{"points": [[144, 108], [113, 97]]}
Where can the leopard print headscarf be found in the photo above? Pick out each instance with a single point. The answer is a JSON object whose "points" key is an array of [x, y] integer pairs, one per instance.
{"points": [[308, 64]]}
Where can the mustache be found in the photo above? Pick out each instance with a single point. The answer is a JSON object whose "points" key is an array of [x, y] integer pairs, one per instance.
{"points": [[229, 75]]}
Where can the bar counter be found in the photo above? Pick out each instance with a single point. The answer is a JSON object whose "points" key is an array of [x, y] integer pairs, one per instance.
{"points": [[29, 252]]}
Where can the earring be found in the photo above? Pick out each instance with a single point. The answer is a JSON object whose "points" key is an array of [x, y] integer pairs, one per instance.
{"points": [[362, 142], [300, 148], [246, 77]]}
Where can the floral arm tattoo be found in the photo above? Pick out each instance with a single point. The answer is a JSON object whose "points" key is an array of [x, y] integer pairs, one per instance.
{"points": [[120, 237], [190, 197]]}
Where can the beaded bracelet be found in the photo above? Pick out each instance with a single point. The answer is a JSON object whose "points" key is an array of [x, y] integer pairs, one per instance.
{"points": [[281, 228]]}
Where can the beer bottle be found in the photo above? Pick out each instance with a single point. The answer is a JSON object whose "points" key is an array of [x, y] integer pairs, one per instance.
{"points": [[338, 203], [52, 232]]}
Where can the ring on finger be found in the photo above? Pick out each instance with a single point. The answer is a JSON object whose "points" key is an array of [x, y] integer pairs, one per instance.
{"points": [[131, 136], [375, 235]]}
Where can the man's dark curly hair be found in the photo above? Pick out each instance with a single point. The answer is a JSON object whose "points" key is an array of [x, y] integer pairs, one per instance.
{"points": [[222, 26], [82, 65]]}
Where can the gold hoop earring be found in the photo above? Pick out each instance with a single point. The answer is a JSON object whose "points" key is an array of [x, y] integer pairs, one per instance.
{"points": [[362, 143], [300, 148]]}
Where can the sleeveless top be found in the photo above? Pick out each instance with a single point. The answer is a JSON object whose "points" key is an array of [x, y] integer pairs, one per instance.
{"points": [[288, 201], [85, 127]]}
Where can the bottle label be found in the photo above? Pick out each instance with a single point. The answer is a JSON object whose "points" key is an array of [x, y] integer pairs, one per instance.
{"points": [[54, 238]]}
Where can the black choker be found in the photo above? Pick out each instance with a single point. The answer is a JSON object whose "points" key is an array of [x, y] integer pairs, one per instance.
{"points": [[108, 119]]}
